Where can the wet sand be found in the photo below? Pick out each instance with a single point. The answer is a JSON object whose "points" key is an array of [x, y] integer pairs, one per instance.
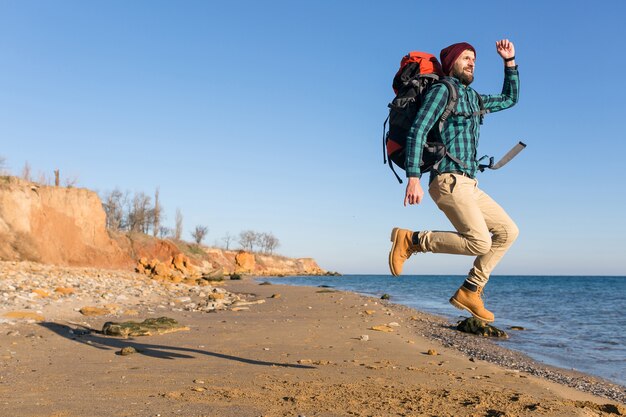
{"points": [[304, 352]]}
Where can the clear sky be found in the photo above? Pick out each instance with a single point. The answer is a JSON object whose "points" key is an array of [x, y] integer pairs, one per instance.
{"points": [[268, 116]]}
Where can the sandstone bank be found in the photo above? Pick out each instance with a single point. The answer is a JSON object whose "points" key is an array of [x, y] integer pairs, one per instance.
{"points": [[55, 225], [67, 226]]}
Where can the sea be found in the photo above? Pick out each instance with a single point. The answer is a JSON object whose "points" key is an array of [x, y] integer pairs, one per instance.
{"points": [[572, 322]]}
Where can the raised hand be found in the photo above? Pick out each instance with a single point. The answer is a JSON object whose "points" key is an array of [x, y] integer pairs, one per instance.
{"points": [[505, 48]]}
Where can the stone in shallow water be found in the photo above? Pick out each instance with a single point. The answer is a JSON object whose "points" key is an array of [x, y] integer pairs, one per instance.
{"points": [[148, 327], [479, 327]]}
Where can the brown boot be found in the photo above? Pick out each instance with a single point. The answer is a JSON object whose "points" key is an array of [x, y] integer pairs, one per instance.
{"points": [[469, 297], [401, 249]]}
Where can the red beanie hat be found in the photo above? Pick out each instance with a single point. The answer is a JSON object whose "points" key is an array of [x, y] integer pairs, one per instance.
{"points": [[451, 53]]}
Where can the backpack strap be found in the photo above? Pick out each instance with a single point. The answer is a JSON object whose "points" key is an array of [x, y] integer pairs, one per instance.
{"points": [[394, 172], [481, 106], [385, 134], [385, 160], [481, 109], [453, 98], [504, 160]]}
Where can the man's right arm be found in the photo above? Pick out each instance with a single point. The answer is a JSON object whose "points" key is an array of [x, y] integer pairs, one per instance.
{"points": [[431, 110]]}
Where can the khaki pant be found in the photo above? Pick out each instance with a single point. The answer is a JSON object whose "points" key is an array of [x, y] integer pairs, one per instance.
{"points": [[483, 229]]}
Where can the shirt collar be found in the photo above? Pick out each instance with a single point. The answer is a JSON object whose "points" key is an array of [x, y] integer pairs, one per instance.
{"points": [[456, 81]]}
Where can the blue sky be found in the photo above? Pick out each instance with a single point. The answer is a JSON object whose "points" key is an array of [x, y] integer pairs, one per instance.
{"points": [[268, 116]]}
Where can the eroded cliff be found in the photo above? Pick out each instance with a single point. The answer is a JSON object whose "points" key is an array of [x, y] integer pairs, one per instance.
{"points": [[67, 226], [55, 225]]}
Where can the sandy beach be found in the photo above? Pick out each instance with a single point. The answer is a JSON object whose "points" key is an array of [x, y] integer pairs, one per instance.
{"points": [[277, 351]]}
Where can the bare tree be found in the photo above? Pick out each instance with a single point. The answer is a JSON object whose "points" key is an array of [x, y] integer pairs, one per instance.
{"points": [[247, 240], [71, 181], [26, 172], [227, 239], [113, 204], [165, 232], [199, 233], [139, 216], [268, 242], [178, 231], [156, 213]]}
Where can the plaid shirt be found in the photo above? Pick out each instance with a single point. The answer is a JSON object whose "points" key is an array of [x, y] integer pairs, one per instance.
{"points": [[459, 134]]}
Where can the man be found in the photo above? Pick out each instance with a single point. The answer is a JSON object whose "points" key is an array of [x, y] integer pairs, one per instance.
{"points": [[483, 229]]}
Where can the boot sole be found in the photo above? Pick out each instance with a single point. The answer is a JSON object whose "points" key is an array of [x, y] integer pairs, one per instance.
{"points": [[394, 235], [460, 306]]}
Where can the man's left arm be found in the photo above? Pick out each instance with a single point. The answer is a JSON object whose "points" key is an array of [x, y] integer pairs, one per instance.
{"points": [[510, 89]]}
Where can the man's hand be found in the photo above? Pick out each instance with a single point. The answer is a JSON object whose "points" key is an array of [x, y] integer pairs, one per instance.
{"points": [[414, 192], [505, 49]]}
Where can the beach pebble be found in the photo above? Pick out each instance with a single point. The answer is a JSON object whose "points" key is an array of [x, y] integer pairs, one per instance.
{"points": [[64, 290], [28, 290], [364, 338], [94, 311], [128, 350], [29, 316], [382, 328]]}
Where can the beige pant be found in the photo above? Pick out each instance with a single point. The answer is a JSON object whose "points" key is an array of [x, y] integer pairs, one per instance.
{"points": [[483, 229]]}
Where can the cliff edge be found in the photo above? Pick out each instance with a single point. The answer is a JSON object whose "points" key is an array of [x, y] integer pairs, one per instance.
{"points": [[67, 226], [55, 225]]}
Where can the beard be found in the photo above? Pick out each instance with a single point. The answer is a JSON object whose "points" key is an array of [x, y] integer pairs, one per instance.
{"points": [[461, 75]]}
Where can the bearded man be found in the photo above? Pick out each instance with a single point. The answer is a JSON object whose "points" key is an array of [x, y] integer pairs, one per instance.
{"points": [[483, 228]]}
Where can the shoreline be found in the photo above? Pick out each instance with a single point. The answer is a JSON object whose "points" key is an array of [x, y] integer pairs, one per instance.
{"points": [[439, 328], [520, 360], [286, 351]]}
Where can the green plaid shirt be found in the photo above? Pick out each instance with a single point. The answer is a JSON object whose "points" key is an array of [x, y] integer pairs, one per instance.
{"points": [[459, 134]]}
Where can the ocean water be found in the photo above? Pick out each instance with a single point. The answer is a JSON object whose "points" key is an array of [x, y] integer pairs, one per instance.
{"points": [[573, 322]]}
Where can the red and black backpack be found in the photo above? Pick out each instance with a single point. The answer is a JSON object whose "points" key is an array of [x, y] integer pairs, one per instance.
{"points": [[418, 72]]}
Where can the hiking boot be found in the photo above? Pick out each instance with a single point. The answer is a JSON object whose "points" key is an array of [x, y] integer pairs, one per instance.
{"points": [[401, 249], [469, 297]]}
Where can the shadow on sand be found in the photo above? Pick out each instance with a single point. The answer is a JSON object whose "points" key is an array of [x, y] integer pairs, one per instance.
{"points": [[96, 339]]}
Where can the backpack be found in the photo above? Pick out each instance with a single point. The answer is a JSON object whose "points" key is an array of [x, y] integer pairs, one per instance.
{"points": [[418, 72]]}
